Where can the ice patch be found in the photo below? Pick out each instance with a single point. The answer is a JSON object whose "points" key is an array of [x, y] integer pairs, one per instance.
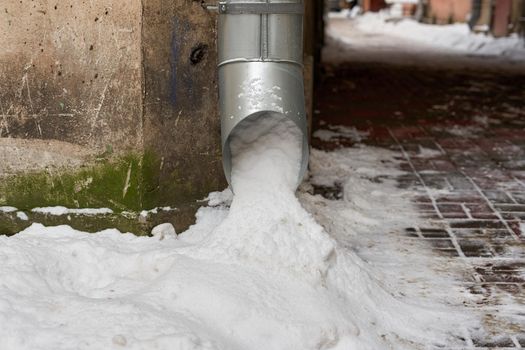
{"points": [[253, 90]]}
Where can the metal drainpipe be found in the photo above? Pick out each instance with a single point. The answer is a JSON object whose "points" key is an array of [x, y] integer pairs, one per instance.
{"points": [[260, 67]]}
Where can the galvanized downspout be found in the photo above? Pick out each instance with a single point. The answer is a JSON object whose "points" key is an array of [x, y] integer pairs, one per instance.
{"points": [[260, 67]]}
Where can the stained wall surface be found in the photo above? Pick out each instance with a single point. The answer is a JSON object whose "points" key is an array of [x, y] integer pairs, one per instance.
{"points": [[70, 71], [181, 118], [107, 104]]}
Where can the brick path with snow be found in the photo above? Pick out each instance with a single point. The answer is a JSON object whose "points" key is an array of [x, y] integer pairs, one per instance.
{"points": [[461, 135]]}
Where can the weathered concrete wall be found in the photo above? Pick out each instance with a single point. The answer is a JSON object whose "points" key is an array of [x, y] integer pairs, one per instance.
{"points": [[111, 104], [70, 103], [108, 104], [71, 71], [181, 121]]}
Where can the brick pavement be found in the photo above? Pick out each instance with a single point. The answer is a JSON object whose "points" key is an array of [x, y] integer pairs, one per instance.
{"points": [[461, 135]]}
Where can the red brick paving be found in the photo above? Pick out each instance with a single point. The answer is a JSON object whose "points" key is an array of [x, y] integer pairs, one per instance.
{"points": [[471, 186]]}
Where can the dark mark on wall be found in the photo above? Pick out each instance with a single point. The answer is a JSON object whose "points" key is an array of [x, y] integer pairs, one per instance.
{"points": [[198, 53]]}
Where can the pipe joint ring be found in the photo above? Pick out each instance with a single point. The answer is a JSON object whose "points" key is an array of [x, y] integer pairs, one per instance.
{"points": [[260, 8]]}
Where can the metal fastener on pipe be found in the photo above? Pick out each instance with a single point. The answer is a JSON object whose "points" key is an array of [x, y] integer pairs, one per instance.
{"points": [[261, 67]]}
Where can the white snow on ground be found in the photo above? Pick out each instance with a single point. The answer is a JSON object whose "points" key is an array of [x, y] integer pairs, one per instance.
{"points": [[468, 131], [58, 210], [340, 131], [261, 274], [7, 209], [22, 216], [146, 213], [163, 230], [19, 214], [454, 37], [428, 152]]}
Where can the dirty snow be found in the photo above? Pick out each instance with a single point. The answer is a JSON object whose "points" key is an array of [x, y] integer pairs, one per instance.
{"points": [[259, 270]]}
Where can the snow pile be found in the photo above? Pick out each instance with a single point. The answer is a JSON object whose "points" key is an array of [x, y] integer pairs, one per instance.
{"points": [[266, 224], [7, 209], [22, 216], [456, 37], [58, 210], [262, 274], [163, 230], [19, 214]]}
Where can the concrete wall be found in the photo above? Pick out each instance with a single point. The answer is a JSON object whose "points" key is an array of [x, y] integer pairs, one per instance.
{"points": [[107, 104], [181, 120], [70, 71]]}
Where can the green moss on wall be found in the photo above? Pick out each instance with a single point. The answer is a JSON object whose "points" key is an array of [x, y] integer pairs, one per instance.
{"points": [[129, 183], [115, 183]]}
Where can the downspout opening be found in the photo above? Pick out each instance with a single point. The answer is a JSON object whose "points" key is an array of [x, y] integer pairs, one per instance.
{"points": [[260, 68], [253, 119]]}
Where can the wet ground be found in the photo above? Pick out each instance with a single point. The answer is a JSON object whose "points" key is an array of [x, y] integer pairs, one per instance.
{"points": [[461, 134]]}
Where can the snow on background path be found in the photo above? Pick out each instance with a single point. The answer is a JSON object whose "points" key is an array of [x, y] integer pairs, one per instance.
{"points": [[404, 39], [255, 272], [457, 37]]}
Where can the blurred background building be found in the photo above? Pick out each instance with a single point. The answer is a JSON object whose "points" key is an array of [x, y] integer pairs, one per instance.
{"points": [[497, 17]]}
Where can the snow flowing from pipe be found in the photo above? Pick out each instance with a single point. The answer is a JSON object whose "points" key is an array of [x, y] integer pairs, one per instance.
{"points": [[261, 274], [266, 223]]}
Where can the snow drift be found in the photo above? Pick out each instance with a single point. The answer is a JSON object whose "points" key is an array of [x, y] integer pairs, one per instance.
{"points": [[255, 272]]}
